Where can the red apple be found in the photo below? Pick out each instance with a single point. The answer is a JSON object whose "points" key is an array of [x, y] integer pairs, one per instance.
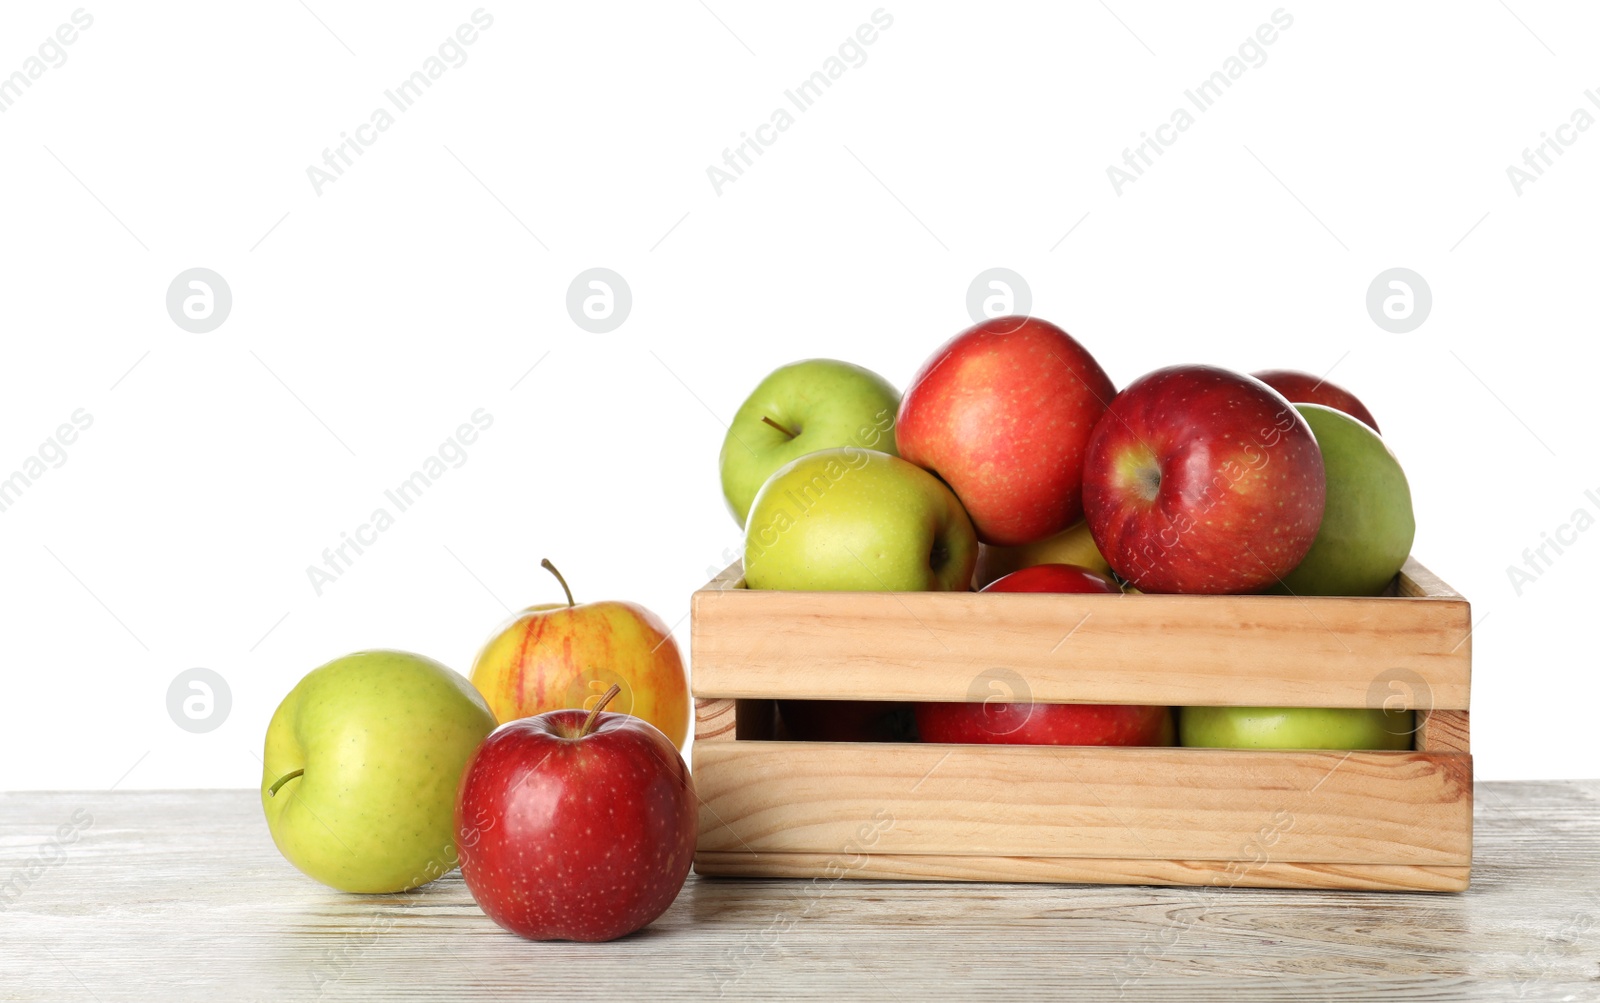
{"points": [[842, 720], [576, 825], [1053, 578], [993, 722], [996, 723], [1303, 388], [1202, 480], [1002, 413]]}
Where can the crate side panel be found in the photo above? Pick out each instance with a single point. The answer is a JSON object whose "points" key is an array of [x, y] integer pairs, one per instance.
{"points": [[1172, 804], [1176, 650], [1089, 870]]}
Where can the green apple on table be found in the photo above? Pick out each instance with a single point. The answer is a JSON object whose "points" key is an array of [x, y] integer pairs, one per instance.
{"points": [[362, 763], [1294, 728], [857, 520], [1367, 522], [799, 409]]}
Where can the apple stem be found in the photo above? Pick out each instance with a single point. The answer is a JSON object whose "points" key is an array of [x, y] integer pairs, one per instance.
{"points": [[779, 427], [272, 791], [545, 564], [588, 722]]}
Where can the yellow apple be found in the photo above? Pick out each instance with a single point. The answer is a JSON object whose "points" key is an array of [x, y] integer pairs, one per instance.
{"points": [[566, 655], [1072, 545]]}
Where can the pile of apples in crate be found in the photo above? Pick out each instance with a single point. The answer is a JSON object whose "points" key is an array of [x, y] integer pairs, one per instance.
{"points": [[1013, 464]]}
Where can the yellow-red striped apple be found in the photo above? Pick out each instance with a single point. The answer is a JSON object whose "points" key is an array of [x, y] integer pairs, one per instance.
{"points": [[560, 656]]}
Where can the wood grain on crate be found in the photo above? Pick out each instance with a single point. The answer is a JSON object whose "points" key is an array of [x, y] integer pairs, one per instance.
{"points": [[172, 897], [1147, 649], [1046, 801], [714, 720], [1242, 873], [1444, 731], [1417, 582], [726, 720]]}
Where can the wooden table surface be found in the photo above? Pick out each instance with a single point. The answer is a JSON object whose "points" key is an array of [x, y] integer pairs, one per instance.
{"points": [[177, 896]]}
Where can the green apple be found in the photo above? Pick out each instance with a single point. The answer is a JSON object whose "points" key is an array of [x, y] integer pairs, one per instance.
{"points": [[1367, 523], [1293, 728], [799, 409], [858, 520], [362, 763]]}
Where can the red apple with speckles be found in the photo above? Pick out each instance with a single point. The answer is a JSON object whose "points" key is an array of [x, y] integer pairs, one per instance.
{"points": [[997, 723], [1202, 480], [1303, 388], [1053, 578], [566, 655], [994, 722], [576, 825], [1002, 413]]}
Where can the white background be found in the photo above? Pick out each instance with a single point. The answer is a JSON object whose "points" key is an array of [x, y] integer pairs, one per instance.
{"points": [[377, 316]]}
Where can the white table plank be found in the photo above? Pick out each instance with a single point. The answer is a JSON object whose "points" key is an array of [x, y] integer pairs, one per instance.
{"points": [[176, 896]]}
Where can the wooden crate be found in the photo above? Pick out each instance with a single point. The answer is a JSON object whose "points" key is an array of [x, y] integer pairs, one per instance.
{"points": [[1284, 819]]}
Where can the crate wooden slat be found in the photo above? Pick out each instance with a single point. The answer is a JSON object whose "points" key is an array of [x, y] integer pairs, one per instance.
{"points": [[1048, 801], [1143, 649], [1090, 870], [1444, 731], [1270, 818]]}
